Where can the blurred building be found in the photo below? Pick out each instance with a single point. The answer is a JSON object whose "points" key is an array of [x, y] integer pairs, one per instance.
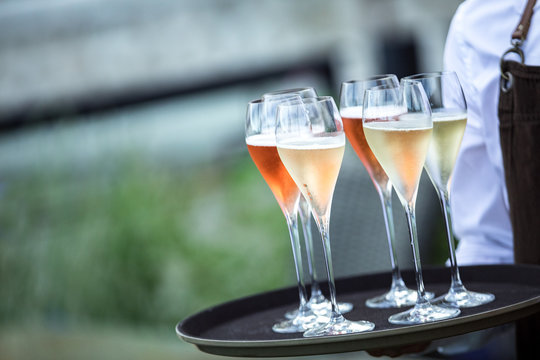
{"points": [[62, 57]]}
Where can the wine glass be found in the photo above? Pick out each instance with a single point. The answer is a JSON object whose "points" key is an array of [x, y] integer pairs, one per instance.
{"points": [[398, 128], [351, 104], [318, 303], [449, 113], [261, 144], [311, 143]]}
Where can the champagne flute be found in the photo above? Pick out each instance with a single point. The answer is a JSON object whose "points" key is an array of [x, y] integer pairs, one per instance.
{"points": [[311, 143], [398, 128], [261, 144], [351, 105], [449, 120], [318, 303]]}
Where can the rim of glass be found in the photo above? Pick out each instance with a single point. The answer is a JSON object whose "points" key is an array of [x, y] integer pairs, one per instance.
{"points": [[311, 100], [384, 88], [374, 77], [255, 101], [286, 91], [426, 75]]}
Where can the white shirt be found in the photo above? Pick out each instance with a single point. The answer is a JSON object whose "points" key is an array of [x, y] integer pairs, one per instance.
{"points": [[479, 34]]}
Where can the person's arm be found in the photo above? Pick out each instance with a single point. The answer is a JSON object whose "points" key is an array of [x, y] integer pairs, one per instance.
{"points": [[480, 218]]}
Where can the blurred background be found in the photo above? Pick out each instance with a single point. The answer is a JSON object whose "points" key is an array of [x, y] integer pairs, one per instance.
{"points": [[128, 200]]}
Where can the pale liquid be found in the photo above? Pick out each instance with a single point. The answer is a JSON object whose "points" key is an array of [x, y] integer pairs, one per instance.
{"points": [[442, 153], [354, 130], [263, 151], [315, 168], [401, 149]]}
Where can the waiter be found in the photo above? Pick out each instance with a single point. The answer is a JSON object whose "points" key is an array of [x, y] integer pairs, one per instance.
{"points": [[495, 202]]}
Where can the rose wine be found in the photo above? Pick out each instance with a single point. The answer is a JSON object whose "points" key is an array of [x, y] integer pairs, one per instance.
{"points": [[354, 130], [448, 132], [263, 151], [400, 147], [314, 166]]}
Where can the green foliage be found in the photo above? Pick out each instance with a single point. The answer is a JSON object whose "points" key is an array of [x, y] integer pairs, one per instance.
{"points": [[139, 244]]}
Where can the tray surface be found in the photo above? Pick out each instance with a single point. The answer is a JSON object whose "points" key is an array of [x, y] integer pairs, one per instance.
{"points": [[243, 327]]}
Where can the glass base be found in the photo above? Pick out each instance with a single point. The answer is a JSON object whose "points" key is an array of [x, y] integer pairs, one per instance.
{"points": [[338, 325], [321, 306], [300, 323], [423, 313], [464, 298], [396, 298]]}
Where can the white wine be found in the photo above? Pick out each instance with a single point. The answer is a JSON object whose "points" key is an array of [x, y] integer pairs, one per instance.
{"points": [[400, 147], [314, 166], [448, 130]]}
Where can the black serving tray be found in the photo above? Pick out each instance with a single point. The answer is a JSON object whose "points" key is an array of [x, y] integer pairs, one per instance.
{"points": [[243, 327]]}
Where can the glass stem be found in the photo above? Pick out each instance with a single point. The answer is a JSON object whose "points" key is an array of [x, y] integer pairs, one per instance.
{"points": [[324, 226], [292, 223], [411, 222], [305, 218], [445, 204], [385, 194]]}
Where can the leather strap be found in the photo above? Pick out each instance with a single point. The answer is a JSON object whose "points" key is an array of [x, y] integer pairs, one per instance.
{"points": [[520, 33]]}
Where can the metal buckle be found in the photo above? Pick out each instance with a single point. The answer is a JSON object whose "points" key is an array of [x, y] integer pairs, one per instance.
{"points": [[506, 77], [517, 42], [507, 80], [517, 50]]}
